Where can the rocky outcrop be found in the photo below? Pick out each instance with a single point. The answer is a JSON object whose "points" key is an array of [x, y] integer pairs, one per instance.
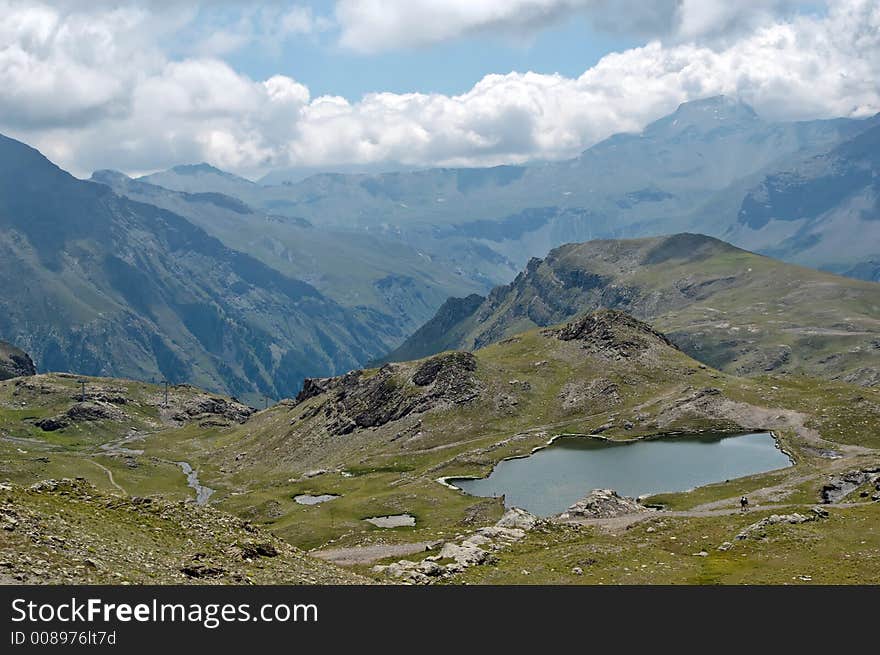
{"points": [[82, 412], [602, 504], [14, 362], [840, 486], [364, 399], [758, 530], [518, 519], [613, 333], [476, 549], [444, 368], [205, 407]]}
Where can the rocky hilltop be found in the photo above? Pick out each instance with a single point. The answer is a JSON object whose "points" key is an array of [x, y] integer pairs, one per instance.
{"points": [[363, 400], [613, 333], [598, 366], [14, 362]]}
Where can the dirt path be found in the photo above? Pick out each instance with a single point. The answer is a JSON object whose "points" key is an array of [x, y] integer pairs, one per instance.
{"points": [[621, 523], [367, 554], [109, 475]]}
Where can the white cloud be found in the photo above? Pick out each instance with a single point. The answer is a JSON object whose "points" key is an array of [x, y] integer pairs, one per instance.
{"points": [[92, 89], [380, 25]]}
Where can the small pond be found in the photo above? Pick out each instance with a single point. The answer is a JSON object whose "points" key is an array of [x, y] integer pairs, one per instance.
{"points": [[550, 480]]}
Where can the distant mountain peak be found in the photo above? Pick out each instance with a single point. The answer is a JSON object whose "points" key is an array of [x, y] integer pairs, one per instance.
{"points": [[196, 178], [705, 115], [108, 176], [200, 168], [727, 106]]}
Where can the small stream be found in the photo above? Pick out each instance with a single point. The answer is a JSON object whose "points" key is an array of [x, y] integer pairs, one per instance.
{"points": [[203, 493]]}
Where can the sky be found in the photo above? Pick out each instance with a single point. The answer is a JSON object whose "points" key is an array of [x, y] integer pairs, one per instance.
{"points": [[142, 85]]}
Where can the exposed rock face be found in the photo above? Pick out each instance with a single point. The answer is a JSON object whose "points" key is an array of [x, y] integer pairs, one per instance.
{"points": [[838, 487], [444, 367], [612, 332], [206, 407], [14, 362], [602, 504], [358, 400]]}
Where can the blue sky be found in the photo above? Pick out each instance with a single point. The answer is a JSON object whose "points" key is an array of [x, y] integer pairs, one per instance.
{"points": [[569, 47]]}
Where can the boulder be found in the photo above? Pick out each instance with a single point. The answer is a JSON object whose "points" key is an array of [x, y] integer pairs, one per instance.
{"points": [[52, 423], [602, 504], [517, 518], [465, 554]]}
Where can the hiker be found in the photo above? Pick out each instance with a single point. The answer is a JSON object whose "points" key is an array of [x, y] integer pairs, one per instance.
{"points": [[744, 503]]}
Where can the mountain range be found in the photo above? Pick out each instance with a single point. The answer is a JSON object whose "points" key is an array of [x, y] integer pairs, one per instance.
{"points": [[100, 284], [362, 271], [196, 274], [700, 169]]}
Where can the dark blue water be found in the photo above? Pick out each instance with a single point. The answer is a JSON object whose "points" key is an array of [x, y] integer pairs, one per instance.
{"points": [[549, 481]]}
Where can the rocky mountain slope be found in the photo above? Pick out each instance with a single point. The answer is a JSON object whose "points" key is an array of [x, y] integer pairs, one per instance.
{"points": [[100, 284], [727, 307], [367, 272], [14, 362], [823, 211], [690, 170]]}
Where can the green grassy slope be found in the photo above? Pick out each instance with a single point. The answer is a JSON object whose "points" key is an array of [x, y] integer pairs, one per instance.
{"points": [[48, 431], [744, 313], [380, 440]]}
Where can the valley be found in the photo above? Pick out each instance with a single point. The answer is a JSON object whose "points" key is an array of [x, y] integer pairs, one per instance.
{"points": [[380, 441], [206, 379]]}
